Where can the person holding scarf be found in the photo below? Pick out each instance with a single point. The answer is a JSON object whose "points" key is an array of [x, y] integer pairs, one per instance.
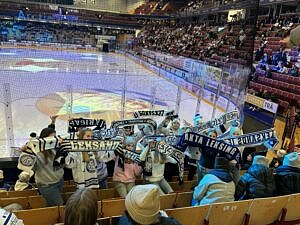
{"points": [[83, 164]]}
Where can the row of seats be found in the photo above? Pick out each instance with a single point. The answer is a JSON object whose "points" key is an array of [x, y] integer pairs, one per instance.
{"points": [[106, 208], [279, 85], [284, 95], [30, 198], [261, 211]]}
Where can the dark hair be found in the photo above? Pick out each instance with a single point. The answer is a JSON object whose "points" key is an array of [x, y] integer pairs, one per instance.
{"points": [[221, 163], [46, 132], [82, 208], [33, 135]]}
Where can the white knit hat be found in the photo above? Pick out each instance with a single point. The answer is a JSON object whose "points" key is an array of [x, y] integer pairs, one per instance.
{"points": [[281, 153], [142, 203], [292, 159], [262, 160], [1, 174], [9, 218]]}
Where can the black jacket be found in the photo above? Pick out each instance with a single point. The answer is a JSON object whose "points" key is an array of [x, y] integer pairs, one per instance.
{"points": [[126, 220], [258, 182], [287, 180]]}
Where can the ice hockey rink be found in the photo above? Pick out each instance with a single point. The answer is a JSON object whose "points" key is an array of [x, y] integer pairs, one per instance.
{"points": [[39, 83]]}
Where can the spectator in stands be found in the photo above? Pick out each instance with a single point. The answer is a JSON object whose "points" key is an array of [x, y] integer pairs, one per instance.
{"points": [[247, 157], [259, 53], [287, 176], [49, 181], [154, 168], [143, 207], [265, 59], [277, 161], [216, 186], [83, 164], [23, 181], [82, 208], [282, 56], [280, 68], [275, 58], [258, 182], [3, 186], [193, 153], [207, 158], [172, 129], [294, 71], [126, 170], [170, 126], [8, 218]]}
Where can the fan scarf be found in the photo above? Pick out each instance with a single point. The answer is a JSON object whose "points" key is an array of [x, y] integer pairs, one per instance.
{"points": [[209, 144], [138, 121], [267, 137], [141, 113], [76, 123], [224, 119]]}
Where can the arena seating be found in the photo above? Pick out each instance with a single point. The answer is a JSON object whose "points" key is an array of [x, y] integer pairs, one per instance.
{"points": [[249, 212], [200, 41], [146, 8]]}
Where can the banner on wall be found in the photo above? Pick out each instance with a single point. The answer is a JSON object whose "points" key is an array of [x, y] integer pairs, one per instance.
{"points": [[262, 103], [214, 73]]}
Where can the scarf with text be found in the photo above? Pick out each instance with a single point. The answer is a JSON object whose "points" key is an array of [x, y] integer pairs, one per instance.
{"points": [[141, 113], [267, 137], [172, 140], [74, 124], [223, 119], [138, 121], [209, 144]]}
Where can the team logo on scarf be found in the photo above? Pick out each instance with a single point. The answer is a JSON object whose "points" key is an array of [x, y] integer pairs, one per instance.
{"points": [[224, 119], [267, 137], [138, 121], [106, 134], [141, 113], [74, 124], [27, 160], [209, 144]]}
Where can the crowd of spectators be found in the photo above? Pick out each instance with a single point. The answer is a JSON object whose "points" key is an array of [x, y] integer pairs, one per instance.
{"points": [[195, 5], [199, 40], [271, 56], [38, 32]]}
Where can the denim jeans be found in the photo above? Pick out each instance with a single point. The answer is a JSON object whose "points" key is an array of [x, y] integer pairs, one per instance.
{"points": [[164, 186], [52, 192], [123, 188], [235, 174], [103, 184]]}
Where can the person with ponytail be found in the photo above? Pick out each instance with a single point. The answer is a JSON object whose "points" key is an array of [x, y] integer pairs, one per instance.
{"points": [[170, 126], [49, 181], [193, 153], [154, 168], [126, 170], [83, 164]]}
